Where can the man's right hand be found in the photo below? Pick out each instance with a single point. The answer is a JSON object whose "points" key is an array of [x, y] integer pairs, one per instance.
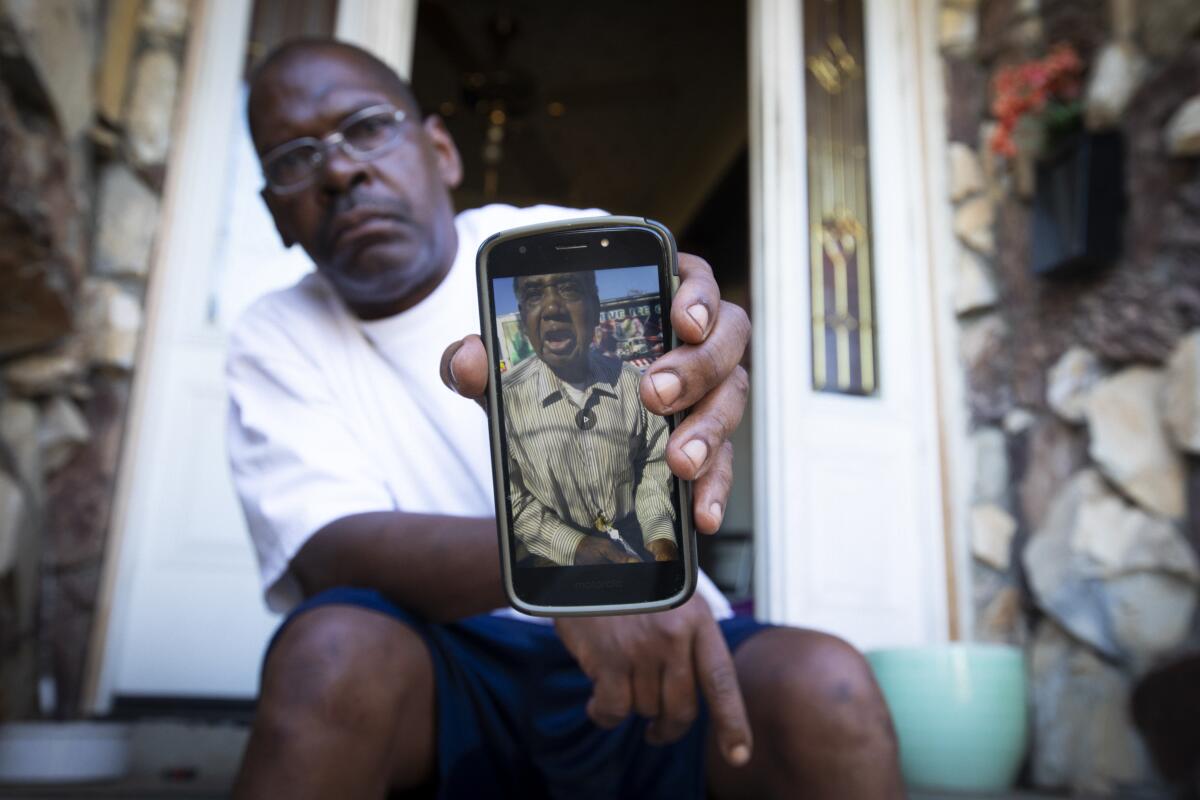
{"points": [[702, 376], [594, 550]]}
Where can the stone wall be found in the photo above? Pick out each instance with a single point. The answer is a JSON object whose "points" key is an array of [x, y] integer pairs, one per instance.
{"points": [[1084, 392], [87, 99]]}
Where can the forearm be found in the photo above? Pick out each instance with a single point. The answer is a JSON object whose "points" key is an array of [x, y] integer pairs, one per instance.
{"points": [[441, 567], [543, 533], [652, 495], [537, 527], [653, 508]]}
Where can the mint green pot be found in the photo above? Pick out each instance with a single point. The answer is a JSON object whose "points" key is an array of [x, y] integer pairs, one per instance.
{"points": [[960, 711]]}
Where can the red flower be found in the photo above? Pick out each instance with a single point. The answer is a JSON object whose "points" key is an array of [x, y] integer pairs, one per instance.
{"points": [[1023, 89], [1002, 143]]}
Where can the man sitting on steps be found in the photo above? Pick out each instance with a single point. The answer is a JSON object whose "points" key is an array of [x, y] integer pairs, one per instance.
{"points": [[367, 487]]}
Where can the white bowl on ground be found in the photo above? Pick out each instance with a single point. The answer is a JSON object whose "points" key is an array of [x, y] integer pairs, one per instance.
{"points": [[63, 752]]}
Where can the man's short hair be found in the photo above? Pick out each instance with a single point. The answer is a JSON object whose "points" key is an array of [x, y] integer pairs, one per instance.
{"points": [[296, 48]]}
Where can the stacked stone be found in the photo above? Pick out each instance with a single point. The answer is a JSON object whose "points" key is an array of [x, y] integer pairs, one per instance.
{"points": [[1084, 392], [86, 106]]}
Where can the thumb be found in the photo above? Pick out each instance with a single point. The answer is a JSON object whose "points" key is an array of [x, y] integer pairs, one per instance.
{"points": [[718, 682], [464, 368]]}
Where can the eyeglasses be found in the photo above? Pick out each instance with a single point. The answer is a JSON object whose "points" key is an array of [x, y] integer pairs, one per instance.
{"points": [[363, 136], [532, 294]]}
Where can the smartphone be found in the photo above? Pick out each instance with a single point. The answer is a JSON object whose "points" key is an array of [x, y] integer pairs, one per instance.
{"points": [[590, 518]]}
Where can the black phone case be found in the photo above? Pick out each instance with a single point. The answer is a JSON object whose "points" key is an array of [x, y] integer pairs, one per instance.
{"points": [[487, 331]]}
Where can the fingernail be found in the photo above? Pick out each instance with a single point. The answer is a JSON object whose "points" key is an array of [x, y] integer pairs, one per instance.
{"points": [[739, 755], [667, 386], [696, 451], [718, 512], [700, 314], [450, 369]]}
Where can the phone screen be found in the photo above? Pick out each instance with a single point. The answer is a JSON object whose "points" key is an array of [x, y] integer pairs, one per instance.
{"points": [[592, 509]]}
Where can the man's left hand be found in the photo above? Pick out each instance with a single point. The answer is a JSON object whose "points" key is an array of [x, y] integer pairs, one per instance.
{"points": [[663, 550], [652, 665], [702, 375]]}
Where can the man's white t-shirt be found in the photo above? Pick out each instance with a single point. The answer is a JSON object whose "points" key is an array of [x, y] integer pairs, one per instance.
{"points": [[331, 416]]}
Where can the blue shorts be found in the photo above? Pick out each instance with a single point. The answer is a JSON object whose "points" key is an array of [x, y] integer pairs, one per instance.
{"points": [[511, 719]]}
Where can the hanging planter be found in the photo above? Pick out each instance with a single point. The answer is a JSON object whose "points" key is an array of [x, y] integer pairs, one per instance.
{"points": [[1078, 188], [1078, 205]]}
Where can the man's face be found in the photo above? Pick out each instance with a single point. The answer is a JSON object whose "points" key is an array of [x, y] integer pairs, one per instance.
{"points": [[381, 231], [559, 314]]}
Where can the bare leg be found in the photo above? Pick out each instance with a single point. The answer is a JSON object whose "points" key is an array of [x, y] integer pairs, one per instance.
{"points": [[346, 710], [821, 728]]}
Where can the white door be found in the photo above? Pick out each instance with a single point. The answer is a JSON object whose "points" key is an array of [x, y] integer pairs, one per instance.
{"points": [[181, 611], [847, 496]]}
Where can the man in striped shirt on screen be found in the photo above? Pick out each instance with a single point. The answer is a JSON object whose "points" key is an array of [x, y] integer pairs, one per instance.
{"points": [[588, 477]]}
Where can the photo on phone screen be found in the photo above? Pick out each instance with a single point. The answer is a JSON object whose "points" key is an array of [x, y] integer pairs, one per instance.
{"points": [[588, 482]]}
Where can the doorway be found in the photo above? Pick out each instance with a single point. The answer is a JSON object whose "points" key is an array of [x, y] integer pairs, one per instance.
{"points": [[631, 107]]}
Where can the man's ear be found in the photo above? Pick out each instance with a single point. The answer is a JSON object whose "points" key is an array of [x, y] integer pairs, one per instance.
{"points": [[595, 303], [449, 162], [270, 199]]}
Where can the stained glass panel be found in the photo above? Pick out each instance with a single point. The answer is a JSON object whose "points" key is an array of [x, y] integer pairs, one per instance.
{"points": [[839, 201]]}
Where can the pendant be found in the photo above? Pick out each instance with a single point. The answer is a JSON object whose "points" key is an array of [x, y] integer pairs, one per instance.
{"points": [[585, 419]]}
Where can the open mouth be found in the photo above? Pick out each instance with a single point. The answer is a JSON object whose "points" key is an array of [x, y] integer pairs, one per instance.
{"points": [[558, 341]]}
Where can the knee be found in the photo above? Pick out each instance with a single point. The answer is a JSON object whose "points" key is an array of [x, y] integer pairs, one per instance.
{"points": [[815, 688], [344, 668]]}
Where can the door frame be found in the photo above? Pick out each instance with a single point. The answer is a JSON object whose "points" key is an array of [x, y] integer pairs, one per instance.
{"points": [[191, 206], [940, 247], [901, 34]]}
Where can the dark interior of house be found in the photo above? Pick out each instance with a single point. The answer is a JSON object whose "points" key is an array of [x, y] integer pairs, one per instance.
{"points": [[660, 132]]}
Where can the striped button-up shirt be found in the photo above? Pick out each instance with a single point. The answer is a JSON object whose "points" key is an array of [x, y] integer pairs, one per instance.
{"points": [[561, 475]]}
